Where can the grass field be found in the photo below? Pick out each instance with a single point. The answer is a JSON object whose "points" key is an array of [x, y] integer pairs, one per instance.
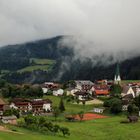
{"points": [[130, 81], [100, 129], [39, 64], [36, 67], [70, 107], [42, 61]]}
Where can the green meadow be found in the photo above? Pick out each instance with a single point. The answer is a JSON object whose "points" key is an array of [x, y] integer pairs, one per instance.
{"points": [[39, 64], [100, 129]]}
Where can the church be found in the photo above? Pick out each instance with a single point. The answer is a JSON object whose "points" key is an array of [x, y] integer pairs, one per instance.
{"points": [[117, 78]]}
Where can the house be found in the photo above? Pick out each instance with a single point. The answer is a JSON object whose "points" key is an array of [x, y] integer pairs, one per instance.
{"points": [[58, 92], [126, 100], [136, 90], [22, 104], [40, 105], [51, 85], [9, 120], [81, 95], [45, 90], [71, 91], [83, 85], [2, 104], [35, 105], [127, 90], [102, 82], [98, 110], [101, 90]]}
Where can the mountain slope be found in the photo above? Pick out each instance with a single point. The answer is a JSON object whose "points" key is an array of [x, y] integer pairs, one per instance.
{"points": [[18, 57]]}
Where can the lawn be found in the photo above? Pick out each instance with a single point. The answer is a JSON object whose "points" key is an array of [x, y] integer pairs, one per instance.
{"points": [[35, 67], [39, 64], [42, 61], [130, 81], [100, 129], [70, 107]]}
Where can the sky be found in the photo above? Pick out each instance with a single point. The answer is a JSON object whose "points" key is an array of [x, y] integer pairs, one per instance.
{"points": [[98, 27]]}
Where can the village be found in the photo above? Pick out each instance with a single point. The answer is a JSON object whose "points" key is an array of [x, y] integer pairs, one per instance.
{"points": [[80, 92]]}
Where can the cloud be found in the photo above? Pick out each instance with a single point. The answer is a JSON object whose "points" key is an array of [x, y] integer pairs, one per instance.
{"points": [[99, 27]]}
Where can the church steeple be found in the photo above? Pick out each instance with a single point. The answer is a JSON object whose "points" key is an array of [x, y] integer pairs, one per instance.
{"points": [[117, 78]]}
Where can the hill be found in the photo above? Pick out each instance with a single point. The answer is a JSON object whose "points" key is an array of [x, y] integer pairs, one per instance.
{"points": [[44, 60]]}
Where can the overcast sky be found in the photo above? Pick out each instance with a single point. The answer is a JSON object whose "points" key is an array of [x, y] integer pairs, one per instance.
{"points": [[109, 25]]}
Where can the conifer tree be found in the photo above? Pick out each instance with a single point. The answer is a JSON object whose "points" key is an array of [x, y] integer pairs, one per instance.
{"points": [[61, 105]]}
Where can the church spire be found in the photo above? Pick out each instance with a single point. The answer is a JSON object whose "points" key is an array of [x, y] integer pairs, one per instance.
{"points": [[117, 78]]}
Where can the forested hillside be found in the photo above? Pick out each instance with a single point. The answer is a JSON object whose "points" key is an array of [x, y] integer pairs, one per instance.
{"points": [[44, 60]]}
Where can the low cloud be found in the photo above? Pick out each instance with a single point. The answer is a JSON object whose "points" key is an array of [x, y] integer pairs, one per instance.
{"points": [[100, 28]]}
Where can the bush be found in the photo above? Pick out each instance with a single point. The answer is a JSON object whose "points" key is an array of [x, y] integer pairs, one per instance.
{"points": [[65, 131], [116, 106], [124, 121], [40, 124], [109, 102], [132, 109]]}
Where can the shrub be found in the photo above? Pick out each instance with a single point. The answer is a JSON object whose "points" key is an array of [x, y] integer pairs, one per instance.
{"points": [[116, 106], [65, 131], [132, 109], [124, 121]]}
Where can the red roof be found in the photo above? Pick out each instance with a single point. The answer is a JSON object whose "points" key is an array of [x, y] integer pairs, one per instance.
{"points": [[101, 92]]}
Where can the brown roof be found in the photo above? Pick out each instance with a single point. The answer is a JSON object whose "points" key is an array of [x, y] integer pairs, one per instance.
{"points": [[2, 102], [125, 89], [128, 96], [19, 100], [41, 102], [21, 103], [80, 93]]}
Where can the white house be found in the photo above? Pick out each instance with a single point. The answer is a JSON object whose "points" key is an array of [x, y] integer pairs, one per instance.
{"points": [[47, 106], [128, 90], [83, 84], [137, 90], [98, 110], [81, 96], [58, 92], [9, 120], [45, 90], [71, 91]]}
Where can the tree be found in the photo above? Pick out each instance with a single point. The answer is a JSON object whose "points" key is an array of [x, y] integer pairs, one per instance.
{"points": [[56, 128], [116, 106], [115, 90], [130, 109], [49, 126], [61, 105], [30, 120], [55, 112], [81, 115], [65, 131], [137, 101], [41, 121], [10, 112]]}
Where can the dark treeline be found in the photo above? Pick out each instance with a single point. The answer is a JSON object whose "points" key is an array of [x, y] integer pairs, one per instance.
{"points": [[18, 91]]}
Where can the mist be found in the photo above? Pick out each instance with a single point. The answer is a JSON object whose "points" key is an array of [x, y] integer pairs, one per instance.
{"points": [[108, 29]]}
